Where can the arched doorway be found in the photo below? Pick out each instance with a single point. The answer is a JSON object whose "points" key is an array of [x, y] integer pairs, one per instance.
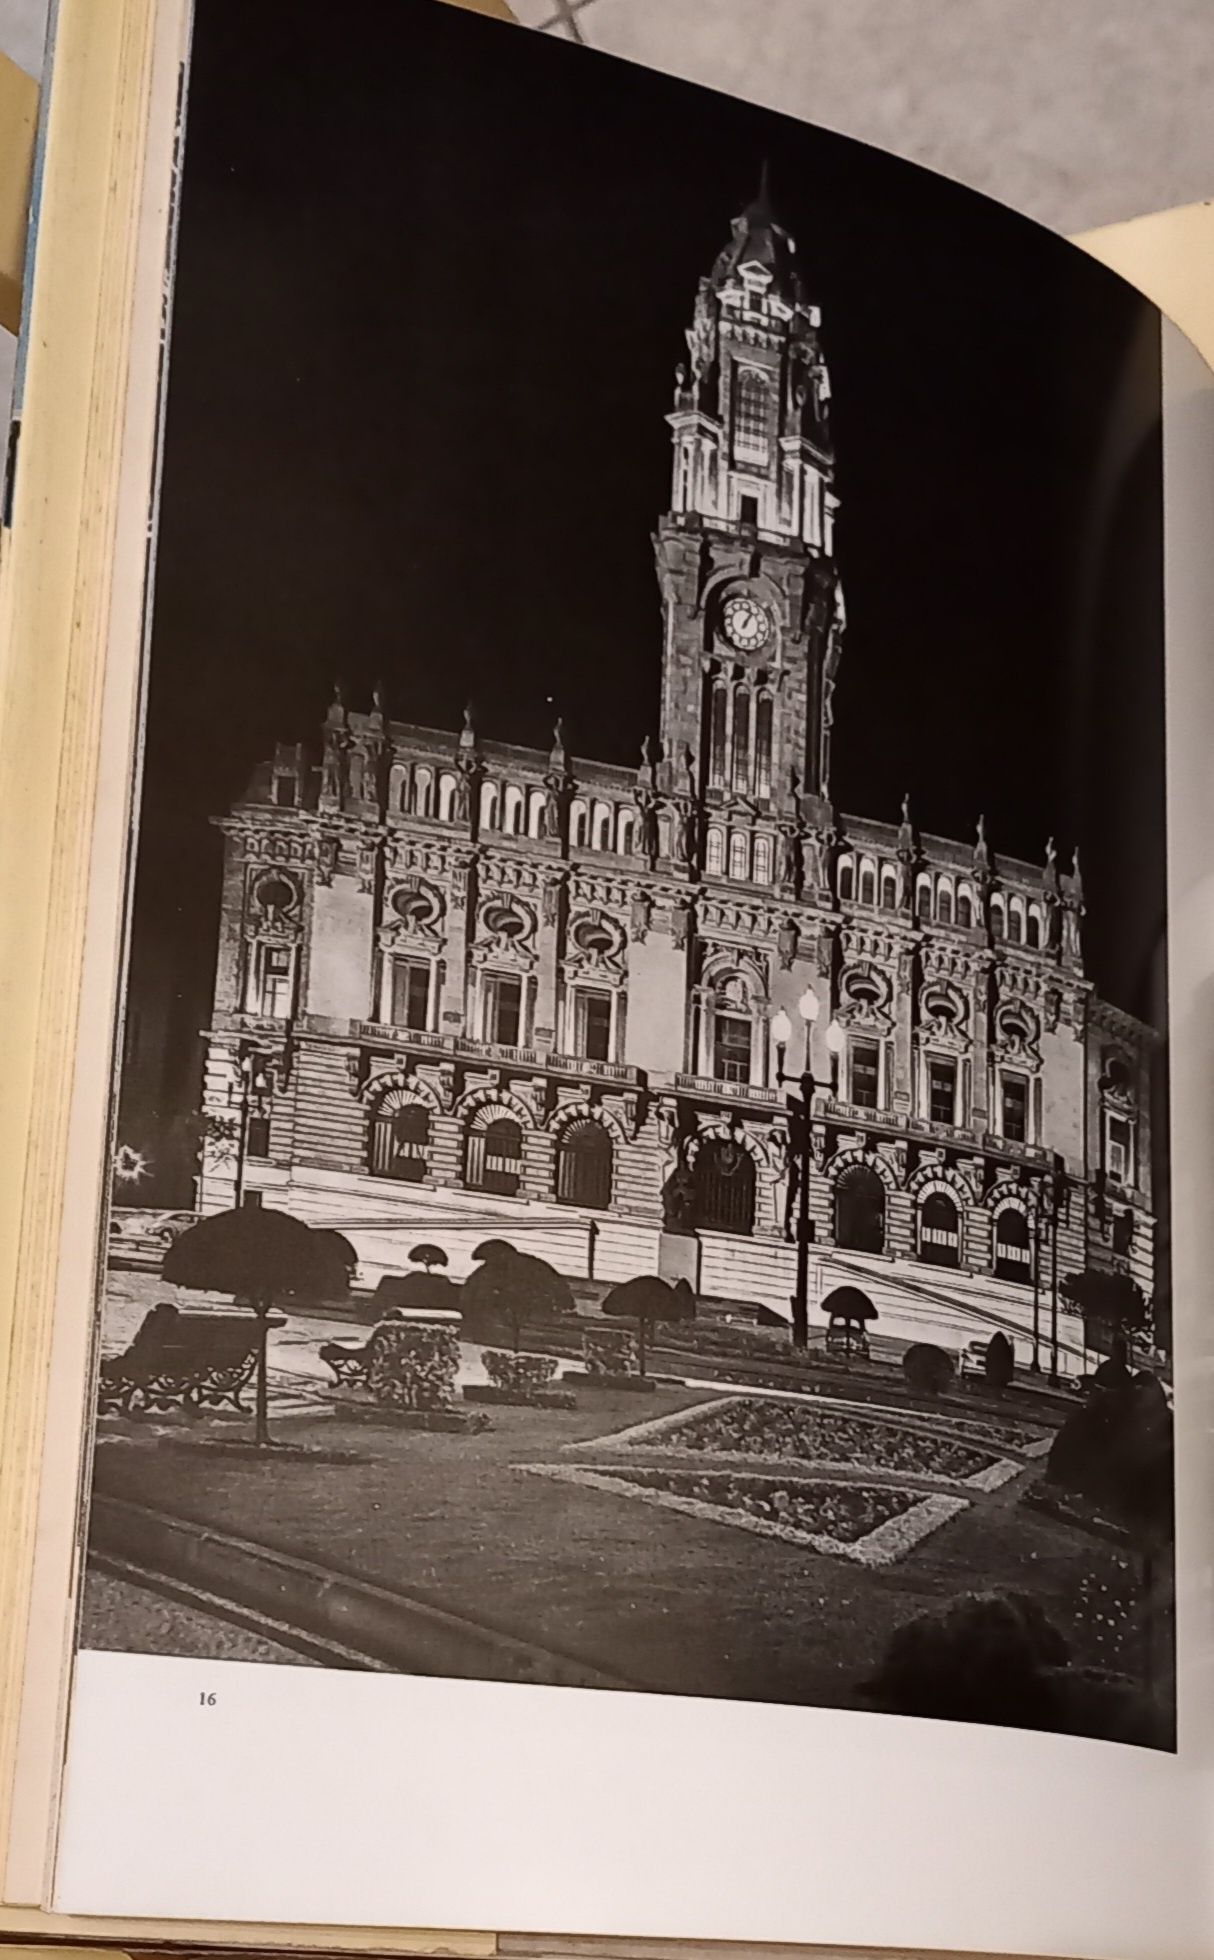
{"points": [[584, 1162], [725, 1186], [860, 1209]]}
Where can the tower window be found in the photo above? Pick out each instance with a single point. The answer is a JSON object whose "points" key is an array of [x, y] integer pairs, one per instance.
{"points": [[739, 855], [731, 1047], [762, 873], [717, 746], [592, 1025], [942, 1089], [748, 510], [752, 417], [410, 993], [865, 1074], [714, 862], [1119, 1150], [503, 1009], [1015, 1108], [763, 746], [741, 740]]}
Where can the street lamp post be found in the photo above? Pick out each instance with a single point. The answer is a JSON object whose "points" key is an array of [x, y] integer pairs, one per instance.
{"points": [[1035, 1365], [800, 1116], [1054, 1195], [254, 1083]]}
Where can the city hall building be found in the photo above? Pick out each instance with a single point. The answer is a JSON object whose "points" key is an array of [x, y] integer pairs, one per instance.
{"points": [[465, 987]]}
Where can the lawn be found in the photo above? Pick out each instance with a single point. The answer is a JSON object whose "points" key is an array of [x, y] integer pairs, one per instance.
{"points": [[639, 1574]]}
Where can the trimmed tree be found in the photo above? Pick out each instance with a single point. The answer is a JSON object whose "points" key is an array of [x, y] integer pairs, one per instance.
{"points": [[853, 1308], [649, 1300], [1112, 1301], [428, 1256], [262, 1258], [928, 1369], [999, 1362], [514, 1286]]}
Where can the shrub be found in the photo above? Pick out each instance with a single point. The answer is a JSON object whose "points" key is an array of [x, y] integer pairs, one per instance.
{"points": [[610, 1351], [928, 1369], [980, 1658], [1115, 1450], [999, 1361], [413, 1366], [522, 1373]]}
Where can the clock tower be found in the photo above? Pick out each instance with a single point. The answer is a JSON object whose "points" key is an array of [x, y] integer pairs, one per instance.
{"points": [[753, 611]]}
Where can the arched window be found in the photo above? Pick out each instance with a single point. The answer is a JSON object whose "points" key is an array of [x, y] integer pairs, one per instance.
{"points": [[751, 415], [965, 908], [1013, 1254], [423, 785], [740, 769], [579, 824], [1015, 921], [860, 1209], [399, 1138], [398, 787], [535, 812], [493, 1157], [944, 902], [1034, 931], [868, 882], [600, 827], [998, 917], [489, 806], [512, 811], [739, 854], [847, 879], [714, 852], [763, 745], [717, 747], [626, 833], [923, 896], [725, 1186], [889, 888], [762, 860], [584, 1165], [446, 797], [939, 1230]]}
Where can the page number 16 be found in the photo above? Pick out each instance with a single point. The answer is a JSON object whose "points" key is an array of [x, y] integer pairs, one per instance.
{"points": [[206, 1699]]}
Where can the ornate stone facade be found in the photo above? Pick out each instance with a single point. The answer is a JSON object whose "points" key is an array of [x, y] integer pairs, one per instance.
{"points": [[472, 982]]}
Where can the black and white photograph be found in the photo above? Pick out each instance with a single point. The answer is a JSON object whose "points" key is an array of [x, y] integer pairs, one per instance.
{"points": [[639, 1129]]}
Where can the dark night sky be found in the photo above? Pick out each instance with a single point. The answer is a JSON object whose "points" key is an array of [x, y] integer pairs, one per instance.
{"points": [[431, 288]]}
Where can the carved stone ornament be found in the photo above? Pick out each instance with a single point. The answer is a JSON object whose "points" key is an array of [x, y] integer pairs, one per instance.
{"points": [[506, 930], [325, 858], [640, 915], [413, 914], [596, 946], [274, 909]]}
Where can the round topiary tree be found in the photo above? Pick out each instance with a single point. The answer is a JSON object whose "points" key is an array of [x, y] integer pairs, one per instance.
{"points": [[649, 1300], [928, 1369], [513, 1286]]}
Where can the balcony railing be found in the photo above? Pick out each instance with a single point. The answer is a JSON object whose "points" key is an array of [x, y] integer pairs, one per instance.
{"points": [[442, 1044], [717, 1090], [497, 1051], [602, 1071]]}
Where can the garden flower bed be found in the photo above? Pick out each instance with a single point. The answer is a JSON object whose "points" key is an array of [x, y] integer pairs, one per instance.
{"points": [[793, 1432], [872, 1525]]}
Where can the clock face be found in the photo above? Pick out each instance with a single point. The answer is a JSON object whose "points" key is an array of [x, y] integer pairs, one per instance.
{"points": [[747, 623]]}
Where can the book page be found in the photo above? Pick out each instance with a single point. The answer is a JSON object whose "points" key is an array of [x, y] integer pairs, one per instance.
{"points": [[635, 1347]]}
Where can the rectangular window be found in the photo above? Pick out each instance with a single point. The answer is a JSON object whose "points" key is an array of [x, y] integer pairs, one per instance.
{"points": [[751, 416], [503, 1009], [284, 791], [942, 1089], [865, 1074], [257, 1141], [277, 978], [1119, 1151], [411, 994], [592, 1025], [731, 1048], [748, 510], [1016, 1108]]}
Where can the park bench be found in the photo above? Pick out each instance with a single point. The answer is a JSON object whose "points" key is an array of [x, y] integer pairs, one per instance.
{"points": [[191, 1361], [349, 1359]]}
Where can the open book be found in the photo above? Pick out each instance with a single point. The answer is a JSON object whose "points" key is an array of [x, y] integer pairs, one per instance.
{"points": [[607, 812]]}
